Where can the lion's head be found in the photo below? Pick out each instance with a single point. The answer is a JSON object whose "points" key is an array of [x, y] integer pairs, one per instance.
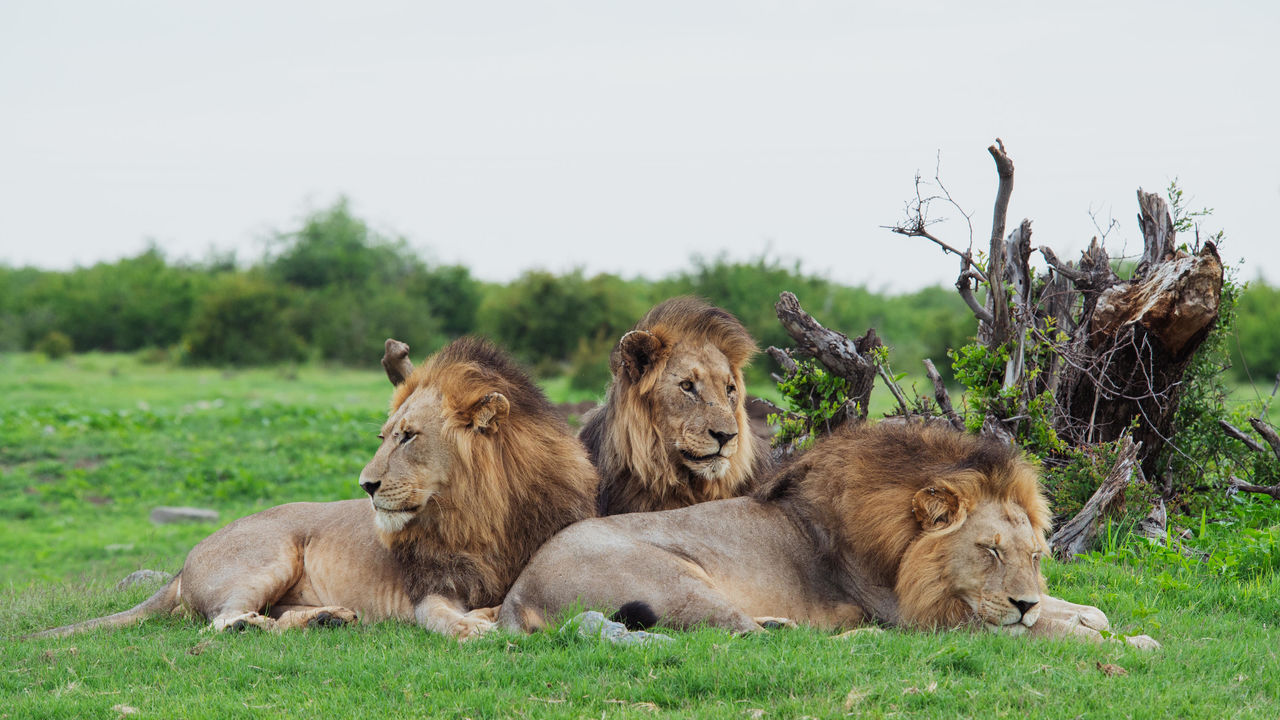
{"points": [[673, 430], [954, 523], [475, 470]]}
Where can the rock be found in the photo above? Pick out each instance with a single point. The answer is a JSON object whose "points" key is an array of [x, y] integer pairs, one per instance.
{"points": [[167, 515], [592, 624], [143, 577]]}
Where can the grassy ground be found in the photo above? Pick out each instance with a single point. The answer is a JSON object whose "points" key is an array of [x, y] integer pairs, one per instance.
{"points": [[89, 445]]}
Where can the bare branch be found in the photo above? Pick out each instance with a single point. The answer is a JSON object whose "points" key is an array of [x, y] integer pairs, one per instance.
{"points": [[396, 362], [999, 329], [1063, 269], [1075, 537], [893, 388], [783, 358], [942, 396], [1236, 484], [1267, 433], [1237, 433]]}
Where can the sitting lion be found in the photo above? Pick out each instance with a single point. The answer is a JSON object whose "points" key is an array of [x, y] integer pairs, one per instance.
{"points": [[474, 472], [673, 430], [894, 524]]}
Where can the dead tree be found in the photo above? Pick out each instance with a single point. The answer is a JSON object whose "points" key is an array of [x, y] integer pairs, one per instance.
{"points": [[1269, 434], [1111, 352]]}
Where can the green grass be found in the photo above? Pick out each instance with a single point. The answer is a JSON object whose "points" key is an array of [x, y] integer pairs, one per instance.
{"points": [[88, 446]]}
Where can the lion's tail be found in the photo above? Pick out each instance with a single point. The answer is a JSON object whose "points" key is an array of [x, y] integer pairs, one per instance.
{"points": [[163, 601]]}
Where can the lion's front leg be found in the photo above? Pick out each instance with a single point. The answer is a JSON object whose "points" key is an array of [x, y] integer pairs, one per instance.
{"points": [[448, 617], [1071, 613]]}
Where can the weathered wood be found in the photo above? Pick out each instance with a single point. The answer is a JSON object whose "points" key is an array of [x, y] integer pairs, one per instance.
{"points": [[396, 362], [1237, 433], [941, 395], [1267, 434], [997, 332], [1076, 536], [783, 358], [847, 359], [1235, 484], [1157, 231]]}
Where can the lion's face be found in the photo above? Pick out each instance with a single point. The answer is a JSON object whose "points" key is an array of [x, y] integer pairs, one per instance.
{"points": [[974, 562], [414, 463], [698, 398], [994, 566]]}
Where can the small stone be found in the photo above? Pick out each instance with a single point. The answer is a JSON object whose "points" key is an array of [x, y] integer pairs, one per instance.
{"points": [[167, 515], [592, 624], [141, 577]]}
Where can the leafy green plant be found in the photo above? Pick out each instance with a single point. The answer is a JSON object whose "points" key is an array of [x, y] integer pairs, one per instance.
{"points": [[813, 397]]}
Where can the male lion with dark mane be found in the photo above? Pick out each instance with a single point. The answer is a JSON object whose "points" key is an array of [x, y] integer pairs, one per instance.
{"points": [[474, 472], [896, 524], [673, 430]]}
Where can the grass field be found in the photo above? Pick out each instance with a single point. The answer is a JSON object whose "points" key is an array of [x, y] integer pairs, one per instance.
{"points": [[90, 444]]}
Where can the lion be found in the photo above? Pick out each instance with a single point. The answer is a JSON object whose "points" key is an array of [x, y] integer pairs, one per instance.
{"points": [[673, 429], [893, 524], [475, 470]]}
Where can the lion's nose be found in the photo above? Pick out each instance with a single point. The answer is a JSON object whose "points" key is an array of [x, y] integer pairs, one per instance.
{"points": [[722, 437], [1024, 606], [371, 487]]}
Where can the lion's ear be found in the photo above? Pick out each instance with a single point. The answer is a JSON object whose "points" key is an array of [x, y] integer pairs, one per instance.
{"points": [[489, 411], [935, 507], [637, 351]]}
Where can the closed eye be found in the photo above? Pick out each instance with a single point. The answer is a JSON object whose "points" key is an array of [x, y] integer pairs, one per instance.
{"points": [[995, 551], [407, 436]]}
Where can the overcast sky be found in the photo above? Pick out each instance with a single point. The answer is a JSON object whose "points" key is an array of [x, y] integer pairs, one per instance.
{"points": [[628, 137]]}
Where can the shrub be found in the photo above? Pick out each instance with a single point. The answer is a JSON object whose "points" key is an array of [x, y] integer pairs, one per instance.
{"points": [[55, 345], [244, 320]]}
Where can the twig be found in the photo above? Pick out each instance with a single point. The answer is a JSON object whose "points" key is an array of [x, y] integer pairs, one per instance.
{"points": [[893, 388], [1237, 433], [1267, 434], [941, 395], [1235, 484], [783, 358]]}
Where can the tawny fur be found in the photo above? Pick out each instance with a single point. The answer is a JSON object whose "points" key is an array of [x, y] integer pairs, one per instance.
{"points": [[498, 473], [894, 524], [634, 438]]}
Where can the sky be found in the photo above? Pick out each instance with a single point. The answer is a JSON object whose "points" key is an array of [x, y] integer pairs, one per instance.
{"points": [[630, 137]]}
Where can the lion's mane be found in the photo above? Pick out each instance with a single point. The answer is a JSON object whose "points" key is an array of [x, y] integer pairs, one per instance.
{"points": [[509, 493], [854, 494], [637, 472]]}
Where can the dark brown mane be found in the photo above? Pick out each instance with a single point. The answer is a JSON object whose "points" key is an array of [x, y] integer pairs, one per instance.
{"points": [[855, 487], [511, 489], [636, 470]]}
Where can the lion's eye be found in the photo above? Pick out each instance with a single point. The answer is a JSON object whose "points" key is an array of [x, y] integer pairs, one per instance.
{"points": [[686, 386], [995, 552], [381, 436], [407, 436], [731, 389]]}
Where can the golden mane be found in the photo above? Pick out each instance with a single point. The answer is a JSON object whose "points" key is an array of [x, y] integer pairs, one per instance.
{"points": [[857, 490], [622, 436], [511, 488]]}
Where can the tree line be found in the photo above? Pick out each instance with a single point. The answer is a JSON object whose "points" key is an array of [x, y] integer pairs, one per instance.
{"points": [[333, 289]]}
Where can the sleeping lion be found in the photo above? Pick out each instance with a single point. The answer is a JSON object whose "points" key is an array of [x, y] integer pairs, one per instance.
{"points": [[475, 470], [892, 524]]}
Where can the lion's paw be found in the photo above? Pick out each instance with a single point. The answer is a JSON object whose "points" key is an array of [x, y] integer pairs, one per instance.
{"points": [[1142, 642], [331, 617], [242, 622], [489, 613], [470, 626]]}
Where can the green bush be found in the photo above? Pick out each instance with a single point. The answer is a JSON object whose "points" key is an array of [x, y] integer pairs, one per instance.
{"points": [[54, 346], [589, 365], [540, 317], [244, 320]]}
